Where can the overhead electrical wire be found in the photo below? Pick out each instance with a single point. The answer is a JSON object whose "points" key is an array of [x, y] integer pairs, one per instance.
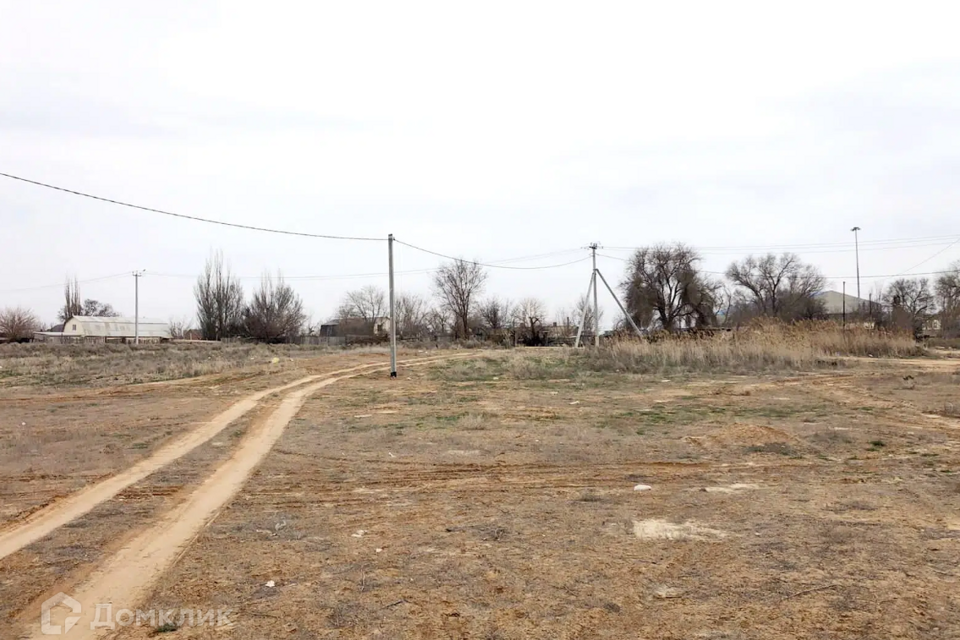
{"points": [[342, 276], [61, 284], [862, 277], [189, 217], [923, 262], [339, 276], [491, 265], [347, 276], [806, 247], [867, 245]]}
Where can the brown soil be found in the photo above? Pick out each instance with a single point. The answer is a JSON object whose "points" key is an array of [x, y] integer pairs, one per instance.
{"points": [[460, 502], [54, 442]]}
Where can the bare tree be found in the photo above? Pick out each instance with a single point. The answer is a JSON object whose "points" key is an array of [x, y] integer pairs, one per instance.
{"points": [[733, 308], [457, 284], [437, 321], [911, 303], [947, 288], [585, 303], [530, 315], [365, 305], [665, 289], [71, 304], [17, 324], [566, 322], [495, 313], [98, 309], [179, 328], [411, 312], [275, 312], [781, 287], [219, 300]]}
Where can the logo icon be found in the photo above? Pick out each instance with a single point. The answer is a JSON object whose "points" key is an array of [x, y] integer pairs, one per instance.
{"points": [[61, 599]]}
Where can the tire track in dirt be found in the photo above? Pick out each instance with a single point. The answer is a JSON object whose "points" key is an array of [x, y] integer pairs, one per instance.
{"points": [[44, 521], [909, 415], [123, 581]]}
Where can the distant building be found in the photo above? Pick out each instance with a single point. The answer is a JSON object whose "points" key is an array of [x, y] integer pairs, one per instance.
{"points": [[835, 302], [344, 327], [105, 329]]}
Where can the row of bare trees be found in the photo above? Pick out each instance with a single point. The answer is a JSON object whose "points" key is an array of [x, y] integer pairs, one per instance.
{"points": [[72, 305], [273, 314], [18, 324], [914, 302], [457, 308], [947, 292], [666, 289]]}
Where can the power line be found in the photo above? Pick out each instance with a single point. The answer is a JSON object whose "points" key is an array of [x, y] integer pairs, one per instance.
{"points": [[538, 256], [347, 276], [492, 265], [339, 276], [807, 252], [815, 245], [923, 262], [890, 275], [61, 284], [188, 217], [884, 275], [342, 276], [603, 255]]}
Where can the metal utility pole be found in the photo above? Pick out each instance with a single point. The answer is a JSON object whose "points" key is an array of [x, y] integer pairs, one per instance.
{"points": [[844, 304], [856, 245], [622, 309], [136, 305], [586, 307], [393, 314], [596, 306]]}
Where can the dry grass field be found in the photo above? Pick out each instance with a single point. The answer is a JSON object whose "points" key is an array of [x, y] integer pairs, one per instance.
{"points": [[794, 492]]}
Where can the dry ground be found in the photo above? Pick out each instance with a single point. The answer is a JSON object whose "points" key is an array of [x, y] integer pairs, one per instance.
{"points": [[62, 426], [464, 502], [57, 438], [494, 498]]}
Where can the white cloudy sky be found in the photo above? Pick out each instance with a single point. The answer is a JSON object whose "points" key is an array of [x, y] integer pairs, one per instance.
{"points": [[484, 130]]}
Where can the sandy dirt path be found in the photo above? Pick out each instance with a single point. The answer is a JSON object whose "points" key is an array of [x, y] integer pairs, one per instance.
{"points": [[123, 581], [46, 520]]}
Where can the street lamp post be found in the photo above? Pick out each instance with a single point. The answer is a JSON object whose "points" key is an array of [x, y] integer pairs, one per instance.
{"points": [[856, 245]]}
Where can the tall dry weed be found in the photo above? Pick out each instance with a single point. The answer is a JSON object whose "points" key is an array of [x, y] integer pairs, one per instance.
{"points": [[761, 346]]}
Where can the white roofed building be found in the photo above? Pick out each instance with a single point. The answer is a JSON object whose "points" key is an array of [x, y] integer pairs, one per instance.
{"points": [[106, 329]]}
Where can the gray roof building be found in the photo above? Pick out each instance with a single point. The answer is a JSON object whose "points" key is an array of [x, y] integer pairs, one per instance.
{"points": [[115, 328], [833, 302]]}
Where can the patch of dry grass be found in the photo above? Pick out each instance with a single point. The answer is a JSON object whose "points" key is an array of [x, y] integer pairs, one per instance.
{"points": [[760, 347], [98, 364]]}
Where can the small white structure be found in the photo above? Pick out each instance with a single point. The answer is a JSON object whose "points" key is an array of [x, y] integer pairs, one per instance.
{"points": [[102, 329]]}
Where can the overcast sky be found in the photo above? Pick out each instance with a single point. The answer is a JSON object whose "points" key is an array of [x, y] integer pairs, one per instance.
{"points": [[488, 130]]}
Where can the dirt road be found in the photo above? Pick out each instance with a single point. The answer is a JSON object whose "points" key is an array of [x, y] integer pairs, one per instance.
{"points": [[60, 513], [123, 580]]}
